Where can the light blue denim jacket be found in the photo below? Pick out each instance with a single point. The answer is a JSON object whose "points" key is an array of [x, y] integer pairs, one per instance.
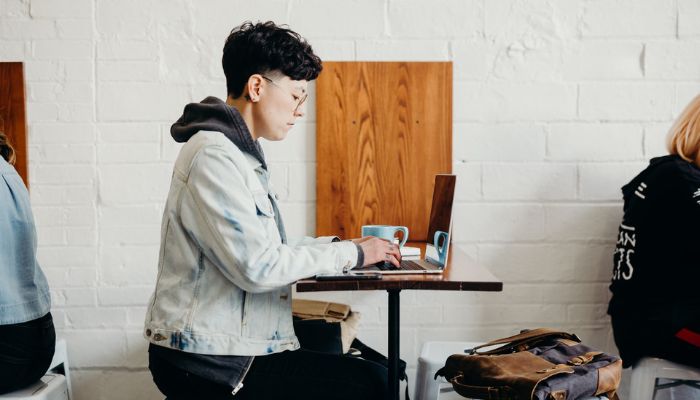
{"points": [[24, 292], [224, 275]]}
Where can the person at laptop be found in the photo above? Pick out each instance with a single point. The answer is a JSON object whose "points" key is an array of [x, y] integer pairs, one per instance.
{"points": [[27, 335], [220, 316]]}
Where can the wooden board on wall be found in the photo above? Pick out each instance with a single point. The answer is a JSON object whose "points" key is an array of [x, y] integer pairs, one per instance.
{"points": [[12, 112], [384, 129]]}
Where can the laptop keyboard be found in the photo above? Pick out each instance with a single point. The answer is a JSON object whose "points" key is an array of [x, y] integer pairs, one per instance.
{"points": [[405, 265], [410, 265]]}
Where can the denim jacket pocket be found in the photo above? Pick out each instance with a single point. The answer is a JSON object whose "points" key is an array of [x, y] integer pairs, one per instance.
{"points": [[263, 205]]}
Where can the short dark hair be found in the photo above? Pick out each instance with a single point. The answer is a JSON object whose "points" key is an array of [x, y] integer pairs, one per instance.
{"points": [[263, 47]]}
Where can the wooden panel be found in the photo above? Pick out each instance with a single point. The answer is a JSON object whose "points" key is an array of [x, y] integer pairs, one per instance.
{"points": [[461, 273], [384, 129], [12, 112]]}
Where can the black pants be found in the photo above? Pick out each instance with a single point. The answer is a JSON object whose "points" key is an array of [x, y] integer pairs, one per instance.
{"points": [[26, 351], [300, 374]]}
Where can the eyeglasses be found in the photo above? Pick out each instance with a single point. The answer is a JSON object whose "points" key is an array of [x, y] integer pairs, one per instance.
{"points": [[299, 100]]}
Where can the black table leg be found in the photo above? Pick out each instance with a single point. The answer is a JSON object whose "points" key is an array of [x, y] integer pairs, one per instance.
{"points": [[394, 343]]}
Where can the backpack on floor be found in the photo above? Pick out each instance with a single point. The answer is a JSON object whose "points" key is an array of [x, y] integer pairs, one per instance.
{"points": [[538, 364]]}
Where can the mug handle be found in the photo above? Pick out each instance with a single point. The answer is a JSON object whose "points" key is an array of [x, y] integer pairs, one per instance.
{"points": [[405, 234], [436, 243]]}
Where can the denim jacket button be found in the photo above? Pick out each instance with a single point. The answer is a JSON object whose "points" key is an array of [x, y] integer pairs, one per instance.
{"points": [[158, 337]]}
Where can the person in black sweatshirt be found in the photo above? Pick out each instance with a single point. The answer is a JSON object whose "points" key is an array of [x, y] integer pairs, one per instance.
{"points": [[655, 304]]}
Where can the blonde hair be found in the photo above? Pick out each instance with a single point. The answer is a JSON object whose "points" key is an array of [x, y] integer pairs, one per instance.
{"points": [[684, 137], [6, 150]]}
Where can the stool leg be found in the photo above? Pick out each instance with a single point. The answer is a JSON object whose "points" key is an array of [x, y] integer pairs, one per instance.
{"points": [[394, 353], [60, 364], [67, 375], [421, 381], [643, 382]]}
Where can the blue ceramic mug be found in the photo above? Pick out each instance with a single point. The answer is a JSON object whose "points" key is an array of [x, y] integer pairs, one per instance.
{"points": [[387, 232], [440, 242]]}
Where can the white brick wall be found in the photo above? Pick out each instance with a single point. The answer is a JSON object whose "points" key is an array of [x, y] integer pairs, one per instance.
{"points": [[625, 101], [629, 18], [623, 60], [673, 60], [61, 9], [688, 11], [556, 105], [594, 142]]}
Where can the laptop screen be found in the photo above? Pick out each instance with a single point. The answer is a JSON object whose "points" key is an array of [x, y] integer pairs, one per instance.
{"points": [[441, 212]]}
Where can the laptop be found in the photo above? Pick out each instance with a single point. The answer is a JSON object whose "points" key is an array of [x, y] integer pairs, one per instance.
{"points": [[437, 245]]}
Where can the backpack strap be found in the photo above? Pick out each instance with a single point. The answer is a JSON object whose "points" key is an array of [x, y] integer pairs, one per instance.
{"points": [[371, 354], [522, 341], [584, 358]]}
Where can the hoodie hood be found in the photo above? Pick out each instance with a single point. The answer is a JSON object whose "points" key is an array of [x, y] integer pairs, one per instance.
{"points": [[213, 114], [687, 173]]}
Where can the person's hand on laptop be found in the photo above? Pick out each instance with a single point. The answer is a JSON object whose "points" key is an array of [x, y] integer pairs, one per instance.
{"points": [[379, 250]]}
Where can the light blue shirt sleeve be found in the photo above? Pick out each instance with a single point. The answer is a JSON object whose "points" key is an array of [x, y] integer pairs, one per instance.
{"points": [[24, 291]]}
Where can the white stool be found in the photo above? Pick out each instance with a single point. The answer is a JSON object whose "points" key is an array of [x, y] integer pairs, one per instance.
{"points": [[49, 387], [59, 363], [432, 357], [647, 370]]}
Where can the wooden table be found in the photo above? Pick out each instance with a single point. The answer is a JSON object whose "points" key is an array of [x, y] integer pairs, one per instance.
{"points": [[461, 274]]}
